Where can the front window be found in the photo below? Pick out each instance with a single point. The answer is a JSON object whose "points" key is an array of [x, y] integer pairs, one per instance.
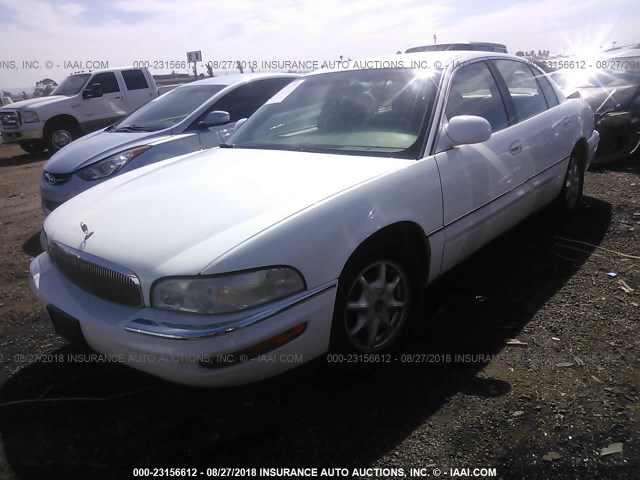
{"points": [[169, 109], [376, 112], [71, 85]]}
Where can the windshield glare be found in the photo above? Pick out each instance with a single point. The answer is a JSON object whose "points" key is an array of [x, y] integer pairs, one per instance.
{"points": [[71, 85], [169, 109], [598, 79], [364, 112]]}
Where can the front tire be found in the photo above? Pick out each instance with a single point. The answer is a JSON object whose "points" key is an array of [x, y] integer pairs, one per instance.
{"points": [[59, 135], [377, 296]]}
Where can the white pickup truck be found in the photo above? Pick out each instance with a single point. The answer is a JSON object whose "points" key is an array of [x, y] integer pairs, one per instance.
{"points": [[82, 103]]}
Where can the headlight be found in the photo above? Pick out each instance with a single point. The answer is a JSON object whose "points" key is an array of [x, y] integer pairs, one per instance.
{"points": [[111, 164], [30, 117], [226, 293]]}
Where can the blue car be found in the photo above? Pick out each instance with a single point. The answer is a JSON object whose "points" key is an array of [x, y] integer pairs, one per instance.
{"points": [[189, 118]]}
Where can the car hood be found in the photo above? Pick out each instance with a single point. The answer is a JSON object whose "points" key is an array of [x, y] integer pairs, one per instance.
{"points": [[177, 216], [97, 146], [597, 97], [34, 102]]}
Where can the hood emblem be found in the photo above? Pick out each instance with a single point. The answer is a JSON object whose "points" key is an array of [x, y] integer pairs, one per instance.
{"points": [[86, 231], [51, 179]]}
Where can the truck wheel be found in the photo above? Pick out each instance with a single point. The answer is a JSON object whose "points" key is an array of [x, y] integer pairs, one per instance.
{"points": [[34, 146], [60, 134]]}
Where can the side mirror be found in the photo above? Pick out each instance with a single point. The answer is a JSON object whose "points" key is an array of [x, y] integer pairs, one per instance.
{"points": [[468, 129], [215, 118], [239, 123], [93, 91]]}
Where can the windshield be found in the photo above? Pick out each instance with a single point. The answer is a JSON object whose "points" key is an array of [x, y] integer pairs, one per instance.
{"points": [[71, 85], [365, 112], [169, 109]]}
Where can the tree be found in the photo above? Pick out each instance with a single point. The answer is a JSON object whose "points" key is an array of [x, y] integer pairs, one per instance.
{"points": [[210, 69], [7, 94], [239, 65], [25, 96], [519, 53], [44, 87]]}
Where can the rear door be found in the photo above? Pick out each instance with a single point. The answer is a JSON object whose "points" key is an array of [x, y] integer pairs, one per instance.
{"points": [[137, 88], [545, 126], [544, 137]]}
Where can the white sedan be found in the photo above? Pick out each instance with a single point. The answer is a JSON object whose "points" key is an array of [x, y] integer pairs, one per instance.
{"points": [[317, 226]]}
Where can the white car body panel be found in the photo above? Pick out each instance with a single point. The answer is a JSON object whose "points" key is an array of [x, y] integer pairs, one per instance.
{"points": [[205, 182]]}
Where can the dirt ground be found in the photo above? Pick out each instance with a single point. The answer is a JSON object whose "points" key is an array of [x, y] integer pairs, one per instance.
{"points": [[542, 408]]}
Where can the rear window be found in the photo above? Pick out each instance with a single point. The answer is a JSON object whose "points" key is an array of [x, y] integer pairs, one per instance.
{"points": [[547, 90], [524, 90], [134, 80]]}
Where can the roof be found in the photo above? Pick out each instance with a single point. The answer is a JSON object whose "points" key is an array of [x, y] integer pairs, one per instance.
{"points": [[417, 60], [238, 77]]}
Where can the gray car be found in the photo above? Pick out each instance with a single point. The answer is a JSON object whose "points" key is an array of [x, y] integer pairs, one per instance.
{"points": [[191, 117]]}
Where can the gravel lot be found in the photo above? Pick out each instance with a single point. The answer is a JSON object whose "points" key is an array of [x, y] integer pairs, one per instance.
{"points": [[534, 369]]}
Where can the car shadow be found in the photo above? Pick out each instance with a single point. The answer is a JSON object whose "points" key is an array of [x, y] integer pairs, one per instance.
{"points": [[311, 416], [32, 246], [24, 159]]}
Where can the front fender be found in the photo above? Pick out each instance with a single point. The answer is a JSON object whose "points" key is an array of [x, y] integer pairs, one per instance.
{"points": [[319, 240]]}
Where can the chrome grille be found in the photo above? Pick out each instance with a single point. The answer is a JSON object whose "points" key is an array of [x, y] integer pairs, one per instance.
{"points": [[97, 276], [10, 119]]}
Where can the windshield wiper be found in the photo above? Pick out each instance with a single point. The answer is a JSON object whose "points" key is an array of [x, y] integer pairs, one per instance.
{"points": [[135, 128]]}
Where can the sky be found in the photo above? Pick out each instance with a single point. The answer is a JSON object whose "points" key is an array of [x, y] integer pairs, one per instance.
{"points": [[122, 32]]}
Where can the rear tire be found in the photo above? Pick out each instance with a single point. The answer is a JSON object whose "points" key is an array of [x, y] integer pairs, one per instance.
{"points": [[571, 192], [378, 294], [33, 146], [59, 134]]}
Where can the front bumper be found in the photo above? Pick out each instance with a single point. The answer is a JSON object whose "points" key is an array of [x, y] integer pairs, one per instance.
{"points": [[28, 131], [170, 346], [52, 196], [593, 142]]}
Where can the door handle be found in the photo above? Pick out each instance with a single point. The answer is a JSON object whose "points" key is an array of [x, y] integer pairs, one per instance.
{"points": [[566, 121], [118, 98], [515, 148]]}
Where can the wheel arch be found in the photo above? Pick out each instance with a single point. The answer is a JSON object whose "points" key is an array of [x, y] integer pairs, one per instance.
{"points": [[62, 118], [406, 234], [581, 150]]}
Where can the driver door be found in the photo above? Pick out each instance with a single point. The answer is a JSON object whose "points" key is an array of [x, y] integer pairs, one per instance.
{"points": [[100, 112], [478, 180]]}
